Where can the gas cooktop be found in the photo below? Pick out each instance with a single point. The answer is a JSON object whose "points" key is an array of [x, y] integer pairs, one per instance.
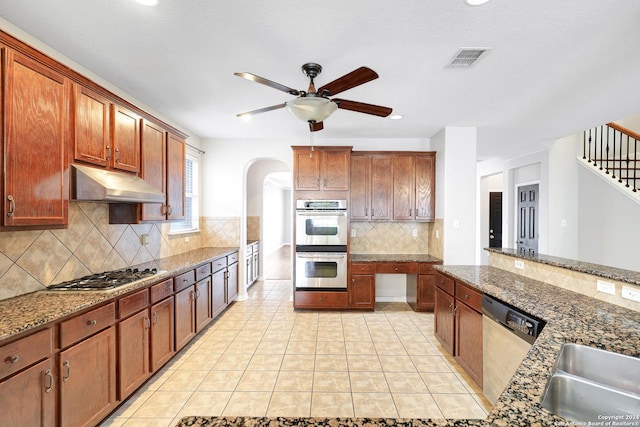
{"points": [[107, 280]]}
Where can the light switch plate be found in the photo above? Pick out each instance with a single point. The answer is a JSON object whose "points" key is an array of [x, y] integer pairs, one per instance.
{"points": [[606, 287], [631, 293], [353, 232], [519, 264], [414, 232]]}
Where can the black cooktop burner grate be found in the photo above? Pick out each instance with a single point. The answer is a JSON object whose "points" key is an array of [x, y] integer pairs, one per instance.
{"points": [[105, 280]]}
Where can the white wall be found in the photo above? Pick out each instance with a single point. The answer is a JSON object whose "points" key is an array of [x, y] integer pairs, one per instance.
{"points": [[276, 217], [488, 184]]}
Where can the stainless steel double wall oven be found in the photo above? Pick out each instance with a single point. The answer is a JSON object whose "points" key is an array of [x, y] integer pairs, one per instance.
{"points": [[321, 244]]}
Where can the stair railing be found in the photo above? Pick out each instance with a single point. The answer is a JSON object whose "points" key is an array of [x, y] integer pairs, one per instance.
{"points": [[614, 149]]}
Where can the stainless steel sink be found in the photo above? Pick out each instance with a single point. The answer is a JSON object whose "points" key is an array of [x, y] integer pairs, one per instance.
{"points": [[588, 384]]}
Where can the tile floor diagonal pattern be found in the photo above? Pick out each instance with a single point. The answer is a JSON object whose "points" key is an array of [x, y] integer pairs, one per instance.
{"points": [[263, 358]]}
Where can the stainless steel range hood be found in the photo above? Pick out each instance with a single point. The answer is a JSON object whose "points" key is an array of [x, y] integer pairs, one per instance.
{"points": [[99, 185]]}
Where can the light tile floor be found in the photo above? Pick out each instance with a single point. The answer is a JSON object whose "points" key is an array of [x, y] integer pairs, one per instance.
{"points": [[262, 358]]}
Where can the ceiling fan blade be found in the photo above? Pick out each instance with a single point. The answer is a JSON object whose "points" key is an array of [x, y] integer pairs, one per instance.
{"points": [[361, 107], [314, 127], [266, 82], [348, 81], [261, 110]]}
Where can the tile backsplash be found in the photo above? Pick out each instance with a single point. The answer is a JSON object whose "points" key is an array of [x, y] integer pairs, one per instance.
{"points": [[390, 237], [32, 260]]}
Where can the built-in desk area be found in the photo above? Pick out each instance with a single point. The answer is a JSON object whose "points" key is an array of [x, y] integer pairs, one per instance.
{"points": [[418, 269]]}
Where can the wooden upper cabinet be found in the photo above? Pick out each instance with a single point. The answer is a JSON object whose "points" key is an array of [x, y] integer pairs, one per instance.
{"points": [[125, 139], [92, 128], [321, 169], [371, 187], [403, 187], [154, 167], [175, 177], [36, 139], [425, 166], [414, 187]]}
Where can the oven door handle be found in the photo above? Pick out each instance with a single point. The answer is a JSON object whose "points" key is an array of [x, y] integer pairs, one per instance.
{"points": [[321, 213], [320, 255]]}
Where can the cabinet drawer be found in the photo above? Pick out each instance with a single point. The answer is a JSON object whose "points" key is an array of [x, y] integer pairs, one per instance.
{"points": [[312, 299], [445, 283], [232, 258], [203, 271], [161, 290], [397, 267], [469, 296], [220, 263], [82, 326], [133, 303], [426, 267], [362, 268], [24, 352], [184, 280]]}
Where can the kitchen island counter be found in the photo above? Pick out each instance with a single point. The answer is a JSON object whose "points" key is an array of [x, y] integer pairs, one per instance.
{"points": [[27, 312], [393, 258], [570, 317]]}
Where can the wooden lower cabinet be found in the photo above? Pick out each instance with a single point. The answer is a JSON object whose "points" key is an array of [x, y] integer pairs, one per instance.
{"points": [[232, 282], [362, 292], [219, 302], [321, 299], [469, 340], [185, 327], [203, 303], [426, 295], [87, 373], [133, 353], [443, 319], [162, 333], [28, 398]]}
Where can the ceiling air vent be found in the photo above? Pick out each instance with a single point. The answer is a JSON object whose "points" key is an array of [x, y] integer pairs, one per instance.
{"points": [[467, 56]]}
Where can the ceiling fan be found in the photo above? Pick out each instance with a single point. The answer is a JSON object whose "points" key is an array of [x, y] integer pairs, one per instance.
{"points": [[314, 106]]}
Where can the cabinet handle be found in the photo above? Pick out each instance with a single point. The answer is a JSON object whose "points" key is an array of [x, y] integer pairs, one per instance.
{"points": [[450, 305], [108, 152], [466, 296], [170, 209], [12, 359], [67, 365], [147, 322], [117, 155], [454, 311], [91, 322], [155, 317], [12, 206], [163, 210], [48, 376]]}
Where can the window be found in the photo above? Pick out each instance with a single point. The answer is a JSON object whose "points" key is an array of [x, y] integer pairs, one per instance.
{"points": [[191, 215]]}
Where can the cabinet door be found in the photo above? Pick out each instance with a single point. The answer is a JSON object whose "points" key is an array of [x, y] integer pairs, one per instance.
{"points": [[335, 170], [360, 180], [175, 177], [203, 303], [27, 399], [133, 352], [306, 170], [362, 291], [255, 270], [425, 179], [426, 292], [381, 187], [232, 282], [154, 167], [219, 292], [162, 330], [185, 317], [92, 132], [469, 341], [36, 132], [88, 380], [403, 178], [249, 269], [125, 139], [443, 319]]}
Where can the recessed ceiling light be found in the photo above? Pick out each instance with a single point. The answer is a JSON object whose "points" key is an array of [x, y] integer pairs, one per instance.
{"points": [[395, 117], [476, 2], [147, 2]]}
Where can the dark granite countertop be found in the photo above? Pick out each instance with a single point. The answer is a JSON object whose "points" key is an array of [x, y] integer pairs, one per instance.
{"points": [[393, 258], [604, 271], [570, 317], [25, 312]]}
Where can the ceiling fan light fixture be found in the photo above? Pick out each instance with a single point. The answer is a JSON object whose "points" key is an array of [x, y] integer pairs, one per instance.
{"points": [[476, 2], [311, 108], [147, 2]]}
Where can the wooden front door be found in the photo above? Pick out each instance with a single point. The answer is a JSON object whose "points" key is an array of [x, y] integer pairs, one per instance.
{"points": [[527, 233]]}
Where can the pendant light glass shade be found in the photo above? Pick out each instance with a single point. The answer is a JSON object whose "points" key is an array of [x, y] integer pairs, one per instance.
{"points": [[312, 108]]}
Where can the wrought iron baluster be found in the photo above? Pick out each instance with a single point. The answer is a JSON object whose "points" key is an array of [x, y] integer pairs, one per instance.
{"points": [[606, 168], [601, 143], [584, 144], [635, 165], [620, 174], [589, 151], [628, 161]]}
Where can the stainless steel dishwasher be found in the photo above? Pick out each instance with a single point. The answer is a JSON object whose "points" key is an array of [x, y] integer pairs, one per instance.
{"points": [[507, 336]]}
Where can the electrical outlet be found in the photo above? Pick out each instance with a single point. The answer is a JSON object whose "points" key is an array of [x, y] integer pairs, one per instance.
{"points": [[186, 239], [456, 223], [519, 264], [631, 293], [144, 239], [437, 234], [606, 287], [414, 233], [353, 232]]}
